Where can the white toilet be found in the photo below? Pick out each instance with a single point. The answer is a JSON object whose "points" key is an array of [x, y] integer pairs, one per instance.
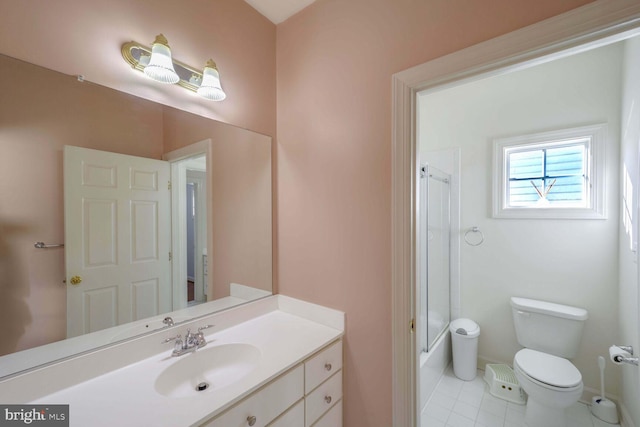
{"points": [[551, 334]]}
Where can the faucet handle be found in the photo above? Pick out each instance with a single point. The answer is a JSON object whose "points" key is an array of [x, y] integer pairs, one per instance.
{"points": [[168, 321], [176, 338], [201, 328], [177, 346], [199, 339]]}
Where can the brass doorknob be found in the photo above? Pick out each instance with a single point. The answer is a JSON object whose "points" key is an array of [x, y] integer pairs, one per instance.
{"points": [[76, 280]]}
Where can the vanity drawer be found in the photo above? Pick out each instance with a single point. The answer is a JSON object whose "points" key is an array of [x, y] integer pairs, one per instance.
{"points": [[294, 417], [323, 398], [333, 418], [266, 404], [322, 366]]}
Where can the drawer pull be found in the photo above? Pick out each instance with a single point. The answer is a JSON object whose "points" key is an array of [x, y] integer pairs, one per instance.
{"points": [[251, 420], [327, 399], [327, 366]]}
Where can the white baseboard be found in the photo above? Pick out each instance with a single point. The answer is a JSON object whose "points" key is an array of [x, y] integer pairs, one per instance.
{"points": [[484, 361], [626, 421], [587, 393]]}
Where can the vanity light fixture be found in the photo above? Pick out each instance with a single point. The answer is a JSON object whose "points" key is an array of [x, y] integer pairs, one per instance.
{"points": [[160, 67], [210, 87], [157, 63]]}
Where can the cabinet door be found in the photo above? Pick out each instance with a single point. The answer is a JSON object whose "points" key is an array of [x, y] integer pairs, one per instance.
{"points": [[294, 417], [322, 366], [323, 398], [263, 406], [333, 418]]}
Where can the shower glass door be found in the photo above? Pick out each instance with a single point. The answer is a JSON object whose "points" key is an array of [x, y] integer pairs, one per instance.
{"points": [[435, 267]]}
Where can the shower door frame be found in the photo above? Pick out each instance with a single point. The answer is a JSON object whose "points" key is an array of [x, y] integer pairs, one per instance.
{"points": [[596, 23], [424, 219]]}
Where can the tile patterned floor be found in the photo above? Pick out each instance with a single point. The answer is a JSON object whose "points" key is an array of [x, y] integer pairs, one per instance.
{"points": [[457, 403]]}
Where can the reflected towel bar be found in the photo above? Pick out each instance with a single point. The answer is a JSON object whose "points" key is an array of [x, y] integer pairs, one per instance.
{"points": [[42, 245]]}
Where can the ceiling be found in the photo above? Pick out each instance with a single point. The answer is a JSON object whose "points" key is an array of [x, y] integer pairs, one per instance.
{"points": [[278, 11]]}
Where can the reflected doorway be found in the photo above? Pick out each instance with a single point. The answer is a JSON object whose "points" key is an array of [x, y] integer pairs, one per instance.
{"points": [[196, 226], [190, 204]]}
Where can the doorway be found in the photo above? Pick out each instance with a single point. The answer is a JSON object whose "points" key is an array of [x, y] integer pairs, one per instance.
{"points": [[191, 228], [196, 218], [596, 24]]}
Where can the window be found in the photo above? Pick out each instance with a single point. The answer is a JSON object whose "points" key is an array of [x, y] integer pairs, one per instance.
{"points": [[556, 174]]}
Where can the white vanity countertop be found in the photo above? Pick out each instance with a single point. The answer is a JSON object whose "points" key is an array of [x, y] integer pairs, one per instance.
{"points": [[127, 397]]}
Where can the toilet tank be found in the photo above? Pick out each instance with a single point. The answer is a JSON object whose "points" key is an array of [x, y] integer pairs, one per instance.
{"points": [[548, 327]]}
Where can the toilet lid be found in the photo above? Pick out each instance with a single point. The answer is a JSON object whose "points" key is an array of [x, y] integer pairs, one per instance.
{"points": [[548, 369]]}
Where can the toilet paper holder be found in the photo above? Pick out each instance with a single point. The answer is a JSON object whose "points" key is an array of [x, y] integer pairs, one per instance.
{"points": [[622, 359], [627, 348]]}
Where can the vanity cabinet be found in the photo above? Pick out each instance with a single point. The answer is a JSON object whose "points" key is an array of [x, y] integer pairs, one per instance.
{"points": [[323, 383], [261, 407], [293, 417], [308, 395], [295, 380]]}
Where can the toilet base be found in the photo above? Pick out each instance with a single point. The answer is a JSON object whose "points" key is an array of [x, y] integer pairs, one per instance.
{"points": [[537, 415]]}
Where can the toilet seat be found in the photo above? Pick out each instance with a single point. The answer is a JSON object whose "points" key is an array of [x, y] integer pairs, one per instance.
{"points": [[547, 369]]}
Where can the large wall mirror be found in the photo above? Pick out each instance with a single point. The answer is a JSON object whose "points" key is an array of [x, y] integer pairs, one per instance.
{"points": [[220, 216]]}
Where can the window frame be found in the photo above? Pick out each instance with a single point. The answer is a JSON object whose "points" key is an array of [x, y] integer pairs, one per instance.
{"points": [[595, 167]]}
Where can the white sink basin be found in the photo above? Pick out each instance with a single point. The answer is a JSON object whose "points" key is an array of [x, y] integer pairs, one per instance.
{"points": [[210, 368]]}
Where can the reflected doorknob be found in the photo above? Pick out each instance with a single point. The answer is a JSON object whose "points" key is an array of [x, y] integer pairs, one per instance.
{"points": [[76, 280]]}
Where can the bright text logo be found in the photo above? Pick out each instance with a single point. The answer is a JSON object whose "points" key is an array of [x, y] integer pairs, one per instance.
{"points": [[35, 415]]}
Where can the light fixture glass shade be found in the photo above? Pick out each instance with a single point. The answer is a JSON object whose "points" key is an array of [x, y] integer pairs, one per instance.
{"points": [[160, 66], [210, 87], [144, 59]]}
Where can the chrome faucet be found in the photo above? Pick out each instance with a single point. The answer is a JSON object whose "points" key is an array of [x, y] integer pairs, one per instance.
{"points": [[191, 343], [168, 321]]}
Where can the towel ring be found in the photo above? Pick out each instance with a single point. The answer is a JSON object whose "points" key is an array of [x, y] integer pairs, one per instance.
{"points": [[473, 230]]}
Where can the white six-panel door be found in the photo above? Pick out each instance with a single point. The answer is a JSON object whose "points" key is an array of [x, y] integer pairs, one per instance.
{"points": [[117, 238]]}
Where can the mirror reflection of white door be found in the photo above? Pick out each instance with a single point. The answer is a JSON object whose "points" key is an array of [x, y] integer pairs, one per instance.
{"points": [[117, 238]]}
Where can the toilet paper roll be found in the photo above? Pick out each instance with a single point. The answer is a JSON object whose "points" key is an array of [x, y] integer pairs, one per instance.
{"points": [[615, 352]]}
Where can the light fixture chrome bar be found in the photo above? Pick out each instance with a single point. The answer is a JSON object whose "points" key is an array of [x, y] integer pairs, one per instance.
{"points": [[132, 51], [191, 78]]}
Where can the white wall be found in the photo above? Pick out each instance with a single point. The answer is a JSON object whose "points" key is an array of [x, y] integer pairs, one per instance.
{"points": [[566, 261], [630, 135]]}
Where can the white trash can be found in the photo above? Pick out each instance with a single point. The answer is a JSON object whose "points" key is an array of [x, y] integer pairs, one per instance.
{"points": [[464, 340]]}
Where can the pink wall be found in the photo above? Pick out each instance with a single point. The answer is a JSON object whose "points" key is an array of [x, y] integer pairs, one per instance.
{"points": [[335, 60]]}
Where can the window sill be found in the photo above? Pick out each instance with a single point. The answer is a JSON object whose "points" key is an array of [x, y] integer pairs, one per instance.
{"points": [[548, 213]]}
